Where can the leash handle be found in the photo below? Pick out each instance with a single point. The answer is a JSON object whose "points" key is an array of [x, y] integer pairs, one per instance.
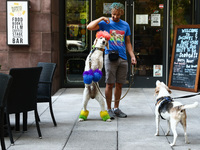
{"points": [[132, 71]]}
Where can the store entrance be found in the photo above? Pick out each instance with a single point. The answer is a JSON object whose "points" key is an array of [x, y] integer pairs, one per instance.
{"points": [[152, 26], [145, 18]]}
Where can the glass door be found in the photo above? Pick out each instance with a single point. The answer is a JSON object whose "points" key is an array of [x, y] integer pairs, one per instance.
{"points": [[145, 18], [148, 29]]}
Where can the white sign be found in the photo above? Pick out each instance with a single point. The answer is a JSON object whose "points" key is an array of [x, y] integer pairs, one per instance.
{"points": [[17, 22], [142, 19], [157, 70], [155, 20]]}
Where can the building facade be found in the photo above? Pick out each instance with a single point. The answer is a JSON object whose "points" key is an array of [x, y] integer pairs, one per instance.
{"points": [[58, 34], [43, 34]]}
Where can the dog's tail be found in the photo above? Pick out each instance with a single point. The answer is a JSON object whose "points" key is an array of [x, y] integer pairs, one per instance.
{"points": [[195, 104]]}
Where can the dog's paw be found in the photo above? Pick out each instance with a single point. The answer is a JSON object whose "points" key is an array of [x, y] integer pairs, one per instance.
{"points": [[81, 120], [105, 116], [88, 76], [167, 133], [156, 134], [172, 144], [83, 115], [187, 142], [108, 120], [97, 75]]}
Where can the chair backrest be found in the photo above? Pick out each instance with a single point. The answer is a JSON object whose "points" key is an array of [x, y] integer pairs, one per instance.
{"points": [[23, 92], [48, 69], [5, 83]]}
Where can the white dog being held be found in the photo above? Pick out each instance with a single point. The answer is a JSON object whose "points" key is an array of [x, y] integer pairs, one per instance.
{"points": [[173, 112], [94, 62]]}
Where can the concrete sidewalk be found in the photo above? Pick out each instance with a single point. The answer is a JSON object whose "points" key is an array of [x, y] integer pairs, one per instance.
{"points": [[136, 132]]}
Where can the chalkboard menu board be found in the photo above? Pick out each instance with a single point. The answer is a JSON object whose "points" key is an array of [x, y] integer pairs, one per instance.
{"points": [[184, 68]]}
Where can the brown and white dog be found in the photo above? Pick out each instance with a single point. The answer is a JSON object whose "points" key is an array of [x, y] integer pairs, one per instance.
{"points": [[173, 112], [91, 76]]}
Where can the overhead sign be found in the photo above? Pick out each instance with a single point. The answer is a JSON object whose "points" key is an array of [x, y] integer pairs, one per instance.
{"points": [[17, 22]]}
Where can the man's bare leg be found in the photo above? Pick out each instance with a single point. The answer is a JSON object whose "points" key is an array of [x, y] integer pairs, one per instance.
{"points": [[118, 92], [108, 93]]}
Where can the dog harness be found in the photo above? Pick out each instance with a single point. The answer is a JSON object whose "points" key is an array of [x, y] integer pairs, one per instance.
{"points": [[164, 104]]}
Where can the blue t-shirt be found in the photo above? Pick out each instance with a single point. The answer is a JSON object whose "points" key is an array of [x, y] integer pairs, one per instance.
{"points": [[118, 31]]}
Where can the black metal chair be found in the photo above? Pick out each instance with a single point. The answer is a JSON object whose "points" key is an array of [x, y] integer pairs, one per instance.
{"points": [[45, 85], [5, 83], [23, 96]]}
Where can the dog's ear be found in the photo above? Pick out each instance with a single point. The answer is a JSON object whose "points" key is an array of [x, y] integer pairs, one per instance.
{"points": [[95, 41], [157, 82], [168, 89], [107, 44], [157, 89]]}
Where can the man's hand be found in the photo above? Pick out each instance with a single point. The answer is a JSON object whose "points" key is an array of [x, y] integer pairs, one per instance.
{"points": [[107, 20], [133, 60]]}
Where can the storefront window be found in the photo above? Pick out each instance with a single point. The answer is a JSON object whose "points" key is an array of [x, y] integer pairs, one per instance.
{"points": [[77, 39], [181, 13], [77, 16]]}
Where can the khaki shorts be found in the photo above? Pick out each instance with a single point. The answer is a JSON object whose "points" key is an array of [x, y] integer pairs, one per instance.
{"points": [[116, 71]]}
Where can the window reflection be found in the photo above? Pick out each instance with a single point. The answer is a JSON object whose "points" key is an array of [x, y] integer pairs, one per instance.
{"points": [[77, 40], [77, 17], [74, 69], [180, 14], [74, 45]]}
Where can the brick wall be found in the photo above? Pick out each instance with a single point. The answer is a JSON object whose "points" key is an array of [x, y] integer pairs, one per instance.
{"points": [[44, 39]]}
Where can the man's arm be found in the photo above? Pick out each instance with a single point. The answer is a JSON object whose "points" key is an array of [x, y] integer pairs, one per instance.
{"points": [[93, 25], [130, 50]]}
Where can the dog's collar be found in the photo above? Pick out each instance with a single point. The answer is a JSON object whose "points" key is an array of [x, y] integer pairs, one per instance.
{"points": [[92, 51], [165, 98], [101, 49]]}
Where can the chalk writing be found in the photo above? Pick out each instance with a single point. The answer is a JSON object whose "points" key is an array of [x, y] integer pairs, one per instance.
{"points": [[186, 57]]}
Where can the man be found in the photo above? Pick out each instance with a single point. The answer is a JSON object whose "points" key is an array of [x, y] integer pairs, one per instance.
{"points": [[116, 71]]}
